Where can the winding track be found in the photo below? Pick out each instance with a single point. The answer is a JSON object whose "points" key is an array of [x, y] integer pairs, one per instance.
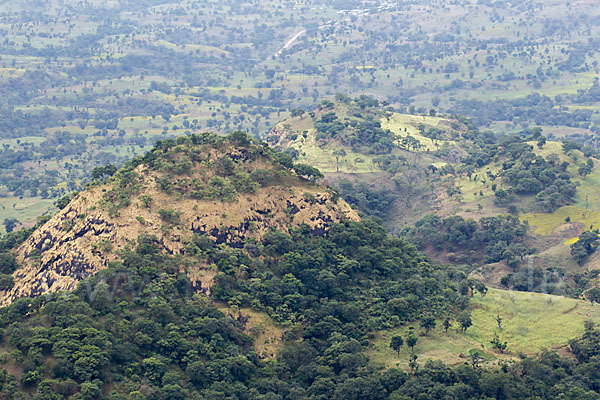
{"points": [[361, 13], [290, 42]]}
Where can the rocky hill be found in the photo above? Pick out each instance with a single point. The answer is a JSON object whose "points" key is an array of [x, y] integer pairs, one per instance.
{"points": [[226, 189]]}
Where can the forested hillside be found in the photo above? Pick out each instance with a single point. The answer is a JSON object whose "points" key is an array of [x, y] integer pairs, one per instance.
{"points": [[142, 329], [465, 196], [317, 199], [142, 326]]}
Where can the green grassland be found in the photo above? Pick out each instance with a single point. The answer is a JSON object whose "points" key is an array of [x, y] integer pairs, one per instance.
{"points": [[585, 210], [26, 209], [21, 141], [545, 224], [324, 159], [476, 195], [321, 155], [588, 191], [404, 124], [530, 322], [479, 186]]}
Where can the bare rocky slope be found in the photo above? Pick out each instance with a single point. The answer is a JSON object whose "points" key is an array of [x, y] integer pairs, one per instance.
{"points": [[229, 190]]}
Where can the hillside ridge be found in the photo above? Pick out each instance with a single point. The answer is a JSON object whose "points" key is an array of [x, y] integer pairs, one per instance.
{"points": [[174, 195]]}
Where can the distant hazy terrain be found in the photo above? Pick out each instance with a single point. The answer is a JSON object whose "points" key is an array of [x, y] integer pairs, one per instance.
{"points": [[84, 84]]}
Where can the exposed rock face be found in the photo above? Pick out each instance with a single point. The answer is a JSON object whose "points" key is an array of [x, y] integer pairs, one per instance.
{"points": [[84, 237], [60, 253]]}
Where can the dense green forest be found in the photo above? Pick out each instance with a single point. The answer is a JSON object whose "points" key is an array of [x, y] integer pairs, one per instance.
{"points": [[140, 318], [138, 330], [491, 238]]}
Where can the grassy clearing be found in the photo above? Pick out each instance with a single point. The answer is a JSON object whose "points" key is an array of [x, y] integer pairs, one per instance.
{"points": [[36, 140], [530, 322], [323, 158], [26, 210], [404, 125], [266, 333], [472, 189], [582, 107], [437, 346], [545, 224], [588, 191], [550, 147], [585, 210]]}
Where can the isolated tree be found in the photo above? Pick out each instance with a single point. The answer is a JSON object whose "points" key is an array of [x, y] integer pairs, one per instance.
{"points": [[397, 343], [536, 132], [340, 153], [474, 358], [476, 285], [497, 344], [464, 320], [447, 324], [428, 323], [297, 112], [501, 197], [584, 171], [411, 341], [10, 224], [481, 288], [413, 364], [499, 321], [593, 295], [408, 142]]}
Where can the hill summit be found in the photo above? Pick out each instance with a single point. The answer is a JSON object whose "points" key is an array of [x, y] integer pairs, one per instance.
{"points": [[229, 190]]}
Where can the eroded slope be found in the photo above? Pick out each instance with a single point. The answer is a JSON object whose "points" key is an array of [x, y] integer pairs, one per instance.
{"points": [[226, 190]]}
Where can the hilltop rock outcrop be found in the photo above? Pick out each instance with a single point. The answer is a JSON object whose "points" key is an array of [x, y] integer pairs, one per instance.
{"points": [[204, 185]]}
